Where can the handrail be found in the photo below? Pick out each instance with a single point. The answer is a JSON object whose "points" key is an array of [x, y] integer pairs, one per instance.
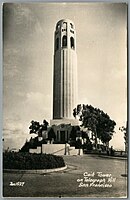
{"points": [[62, 149], [58, 150]]}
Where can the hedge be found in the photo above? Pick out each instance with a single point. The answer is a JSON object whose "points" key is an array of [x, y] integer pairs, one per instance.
{"points": [[22, 160]]}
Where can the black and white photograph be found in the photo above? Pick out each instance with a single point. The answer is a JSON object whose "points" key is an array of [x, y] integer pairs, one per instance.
{"points": [[65, 118]]}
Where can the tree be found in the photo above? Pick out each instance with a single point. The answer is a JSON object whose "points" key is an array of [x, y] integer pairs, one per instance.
{"points": [[73, 133], [25, 147], [34, 127], [87, 143], [51, 134], [84, 135], [96, 121], [38, 128], [45, 124], [125, 132]]}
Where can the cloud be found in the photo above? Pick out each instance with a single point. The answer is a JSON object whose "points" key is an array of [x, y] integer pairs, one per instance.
{"points": [[13, 134], [38, 104], [11, 124], [118, 141], [16, 141], [83, 100]]}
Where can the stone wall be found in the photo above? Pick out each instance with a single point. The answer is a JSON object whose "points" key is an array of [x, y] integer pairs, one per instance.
{"points": [[37, 150], [56, 149]]}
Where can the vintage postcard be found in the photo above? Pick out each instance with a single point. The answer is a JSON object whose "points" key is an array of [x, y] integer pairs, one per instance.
{"points": [[65, 127]]}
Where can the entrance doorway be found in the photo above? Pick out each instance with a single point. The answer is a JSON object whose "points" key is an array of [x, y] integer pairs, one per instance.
{"points": [[62, 136]]}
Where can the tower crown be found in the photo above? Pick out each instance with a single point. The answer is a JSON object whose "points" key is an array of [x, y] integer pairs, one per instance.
{"points": [[65, 35], [61, 23]]}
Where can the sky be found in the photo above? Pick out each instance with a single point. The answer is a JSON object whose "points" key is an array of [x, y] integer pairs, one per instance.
{"points": [[28, 49]]}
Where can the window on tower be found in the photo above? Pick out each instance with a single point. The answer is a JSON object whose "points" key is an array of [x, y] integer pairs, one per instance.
{"points": [[57, 43], [71, 31], [71, 25], [64, 30], [64, 41], [72, 42], [58, 26], [64, 25]]}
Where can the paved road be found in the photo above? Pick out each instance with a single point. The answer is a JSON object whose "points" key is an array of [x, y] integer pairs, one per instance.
{"points": [[65, 183]]}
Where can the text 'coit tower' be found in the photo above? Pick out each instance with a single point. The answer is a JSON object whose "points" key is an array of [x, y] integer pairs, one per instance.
{"points": [[65, 70]]}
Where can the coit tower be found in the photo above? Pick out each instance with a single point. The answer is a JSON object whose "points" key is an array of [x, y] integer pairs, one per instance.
{"points": [[65, 70]]}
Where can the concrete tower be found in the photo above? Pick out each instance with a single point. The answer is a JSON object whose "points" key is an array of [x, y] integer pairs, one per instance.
{"points": [[65, 70]]}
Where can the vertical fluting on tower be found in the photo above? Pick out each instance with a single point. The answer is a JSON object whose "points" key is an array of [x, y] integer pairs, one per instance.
{"points": [[65, 70]]}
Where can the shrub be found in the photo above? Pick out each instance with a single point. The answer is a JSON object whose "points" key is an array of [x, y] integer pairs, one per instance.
{"points": [[21, 160]]}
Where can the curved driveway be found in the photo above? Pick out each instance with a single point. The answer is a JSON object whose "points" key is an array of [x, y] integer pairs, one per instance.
{"points": [[66, 183]]}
